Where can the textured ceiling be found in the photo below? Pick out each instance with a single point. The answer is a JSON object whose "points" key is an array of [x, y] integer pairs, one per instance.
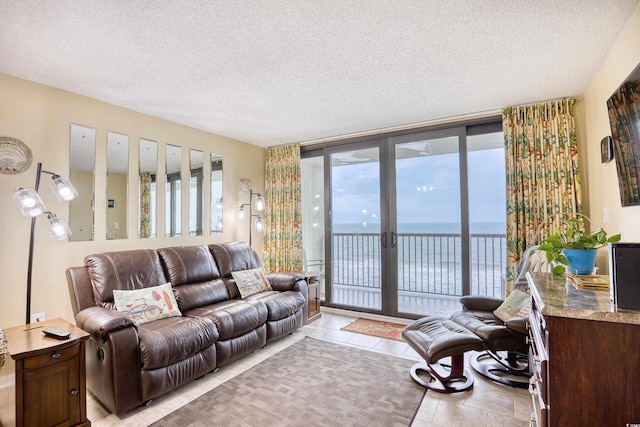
{"points": [[280, 71]]}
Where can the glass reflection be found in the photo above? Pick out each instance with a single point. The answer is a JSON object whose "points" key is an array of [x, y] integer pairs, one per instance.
{"points": [[81, 174], [117, 185], [147, 188]]}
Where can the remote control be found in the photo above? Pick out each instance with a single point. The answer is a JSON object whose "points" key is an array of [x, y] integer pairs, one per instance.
{"points": [[60, 334]]}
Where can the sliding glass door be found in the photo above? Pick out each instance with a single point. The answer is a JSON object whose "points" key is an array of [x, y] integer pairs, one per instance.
{"points": [[405, 225], [427, 218], [355, 228]]}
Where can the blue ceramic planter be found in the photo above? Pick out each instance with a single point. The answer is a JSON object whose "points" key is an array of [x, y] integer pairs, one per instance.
{"points": [[581, 261]]}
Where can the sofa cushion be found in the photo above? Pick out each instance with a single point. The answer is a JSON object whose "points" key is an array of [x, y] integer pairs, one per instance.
{"points": [[189, 264], [167, 341], [233, 317], [251, 282], [124, 270], [234, 256], [198, 294], [280, 304], [147, 304]]}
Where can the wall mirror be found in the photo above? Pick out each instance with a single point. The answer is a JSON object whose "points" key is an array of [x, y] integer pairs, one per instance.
{"points": [[173, 199], [196, 190], [81, 174], [117, 185], [216, 193], [147, 194]]}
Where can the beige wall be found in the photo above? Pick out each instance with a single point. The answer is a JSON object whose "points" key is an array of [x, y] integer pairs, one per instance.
{"points": [[40, 116], [602, 180]]}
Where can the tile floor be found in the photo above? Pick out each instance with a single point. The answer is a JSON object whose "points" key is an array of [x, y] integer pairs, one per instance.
{"points": [[486, 404]]}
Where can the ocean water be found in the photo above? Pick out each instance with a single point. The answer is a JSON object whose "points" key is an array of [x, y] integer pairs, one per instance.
{"points": [[423, 228], [429, 257]]}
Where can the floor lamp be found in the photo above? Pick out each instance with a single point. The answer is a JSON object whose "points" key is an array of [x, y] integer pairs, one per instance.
{"points": [[31, 205], [258, 204]]}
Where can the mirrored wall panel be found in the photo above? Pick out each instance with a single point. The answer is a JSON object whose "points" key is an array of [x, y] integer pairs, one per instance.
{"points": [[81, 174], [147, 188], [117, 185], [173, 199], [196, 192], [216, 193]]}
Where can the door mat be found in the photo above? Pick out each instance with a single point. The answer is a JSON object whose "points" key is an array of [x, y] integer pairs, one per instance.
{"points": [[392, 331], [311, 383]]}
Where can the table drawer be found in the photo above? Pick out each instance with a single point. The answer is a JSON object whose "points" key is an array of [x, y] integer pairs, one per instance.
{"points": [[52, 357]]}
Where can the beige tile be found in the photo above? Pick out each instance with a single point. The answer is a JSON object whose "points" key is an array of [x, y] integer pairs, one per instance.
{"points": [[421, 423], [492, 401], [497, 420], [339, 323], [392, 347], [366, 341], [427, 408], [453, 414], [522, 407], [339, 336]]}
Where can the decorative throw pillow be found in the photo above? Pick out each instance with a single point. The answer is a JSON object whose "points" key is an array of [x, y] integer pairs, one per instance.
{"points": [[517, 304], [147, 304], [251, 282]]}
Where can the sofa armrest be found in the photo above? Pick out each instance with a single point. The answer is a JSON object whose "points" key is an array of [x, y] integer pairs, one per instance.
{"points": [[480, 303], [285, 281], [100, 322]]}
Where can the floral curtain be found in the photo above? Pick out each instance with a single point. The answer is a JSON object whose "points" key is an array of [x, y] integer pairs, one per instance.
{"points": [[283, 210], [145, 203], [543, 180]]}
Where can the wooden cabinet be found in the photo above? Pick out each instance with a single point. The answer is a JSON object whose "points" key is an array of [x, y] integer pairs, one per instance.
{"points": [[583, 356], [313, 283], [43, 382]]}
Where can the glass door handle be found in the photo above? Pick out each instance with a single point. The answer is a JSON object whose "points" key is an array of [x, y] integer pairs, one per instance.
{"points": [[383, 239], [394, 239]]}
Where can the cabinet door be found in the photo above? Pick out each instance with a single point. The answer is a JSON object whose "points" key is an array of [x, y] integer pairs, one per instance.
{"points": [[51, 395]]}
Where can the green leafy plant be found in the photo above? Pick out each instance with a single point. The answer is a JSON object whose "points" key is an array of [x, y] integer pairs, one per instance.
{"points": [[573, 236]]}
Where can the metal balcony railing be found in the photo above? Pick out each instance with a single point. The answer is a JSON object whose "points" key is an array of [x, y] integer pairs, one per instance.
{"points": [[427, 263]]}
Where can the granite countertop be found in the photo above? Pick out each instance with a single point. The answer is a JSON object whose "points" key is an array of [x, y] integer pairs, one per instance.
{"points": [[555, 296]]}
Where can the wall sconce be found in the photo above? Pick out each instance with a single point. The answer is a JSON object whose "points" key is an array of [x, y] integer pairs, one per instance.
{"points": [[31, 205], [257, 203]]}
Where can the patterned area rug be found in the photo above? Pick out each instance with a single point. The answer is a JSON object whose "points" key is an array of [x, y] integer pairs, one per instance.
{"points": [[376, 328], [310, 383]]}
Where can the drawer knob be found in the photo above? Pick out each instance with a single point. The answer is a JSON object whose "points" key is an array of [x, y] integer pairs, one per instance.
{"points": [[74, 392], [55, 356]]}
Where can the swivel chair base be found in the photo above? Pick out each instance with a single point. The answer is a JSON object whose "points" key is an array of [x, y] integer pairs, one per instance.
{"points": [[504, 370], [458, 378]]}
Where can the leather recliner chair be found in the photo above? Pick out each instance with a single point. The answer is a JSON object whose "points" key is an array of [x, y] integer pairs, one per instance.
{"points": [[504, 358]]}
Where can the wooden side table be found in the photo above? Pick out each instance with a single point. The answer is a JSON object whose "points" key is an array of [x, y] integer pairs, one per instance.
{"points": [[313, 283], [43, 383]]}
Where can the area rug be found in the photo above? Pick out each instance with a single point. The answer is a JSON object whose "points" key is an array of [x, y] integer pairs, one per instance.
{"points": [[376, 328], [310, 383]]}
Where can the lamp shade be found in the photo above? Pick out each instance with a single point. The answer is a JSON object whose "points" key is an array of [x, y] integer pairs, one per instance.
{"points": [[29, 202], [259, 202], [62, 188], [259, 225], [58, 228], [241, 213]]}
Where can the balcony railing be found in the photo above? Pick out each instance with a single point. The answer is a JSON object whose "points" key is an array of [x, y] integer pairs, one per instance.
{"points": [[428, 264]]}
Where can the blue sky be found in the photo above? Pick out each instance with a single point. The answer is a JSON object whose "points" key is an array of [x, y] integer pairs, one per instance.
{"points": [[356, 189]]}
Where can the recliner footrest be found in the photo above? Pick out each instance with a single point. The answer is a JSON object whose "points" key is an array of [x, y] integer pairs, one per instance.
{"points": [[434, 338]]}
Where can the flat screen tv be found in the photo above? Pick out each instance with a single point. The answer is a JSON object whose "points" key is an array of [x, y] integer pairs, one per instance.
{"points": [[624, 117]]}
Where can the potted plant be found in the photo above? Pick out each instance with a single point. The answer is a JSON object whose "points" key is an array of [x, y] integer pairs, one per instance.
{"points": [[575, 248]]}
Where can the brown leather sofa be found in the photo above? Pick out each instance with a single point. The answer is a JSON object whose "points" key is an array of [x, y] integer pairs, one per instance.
{"points": [[130, 364]]}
